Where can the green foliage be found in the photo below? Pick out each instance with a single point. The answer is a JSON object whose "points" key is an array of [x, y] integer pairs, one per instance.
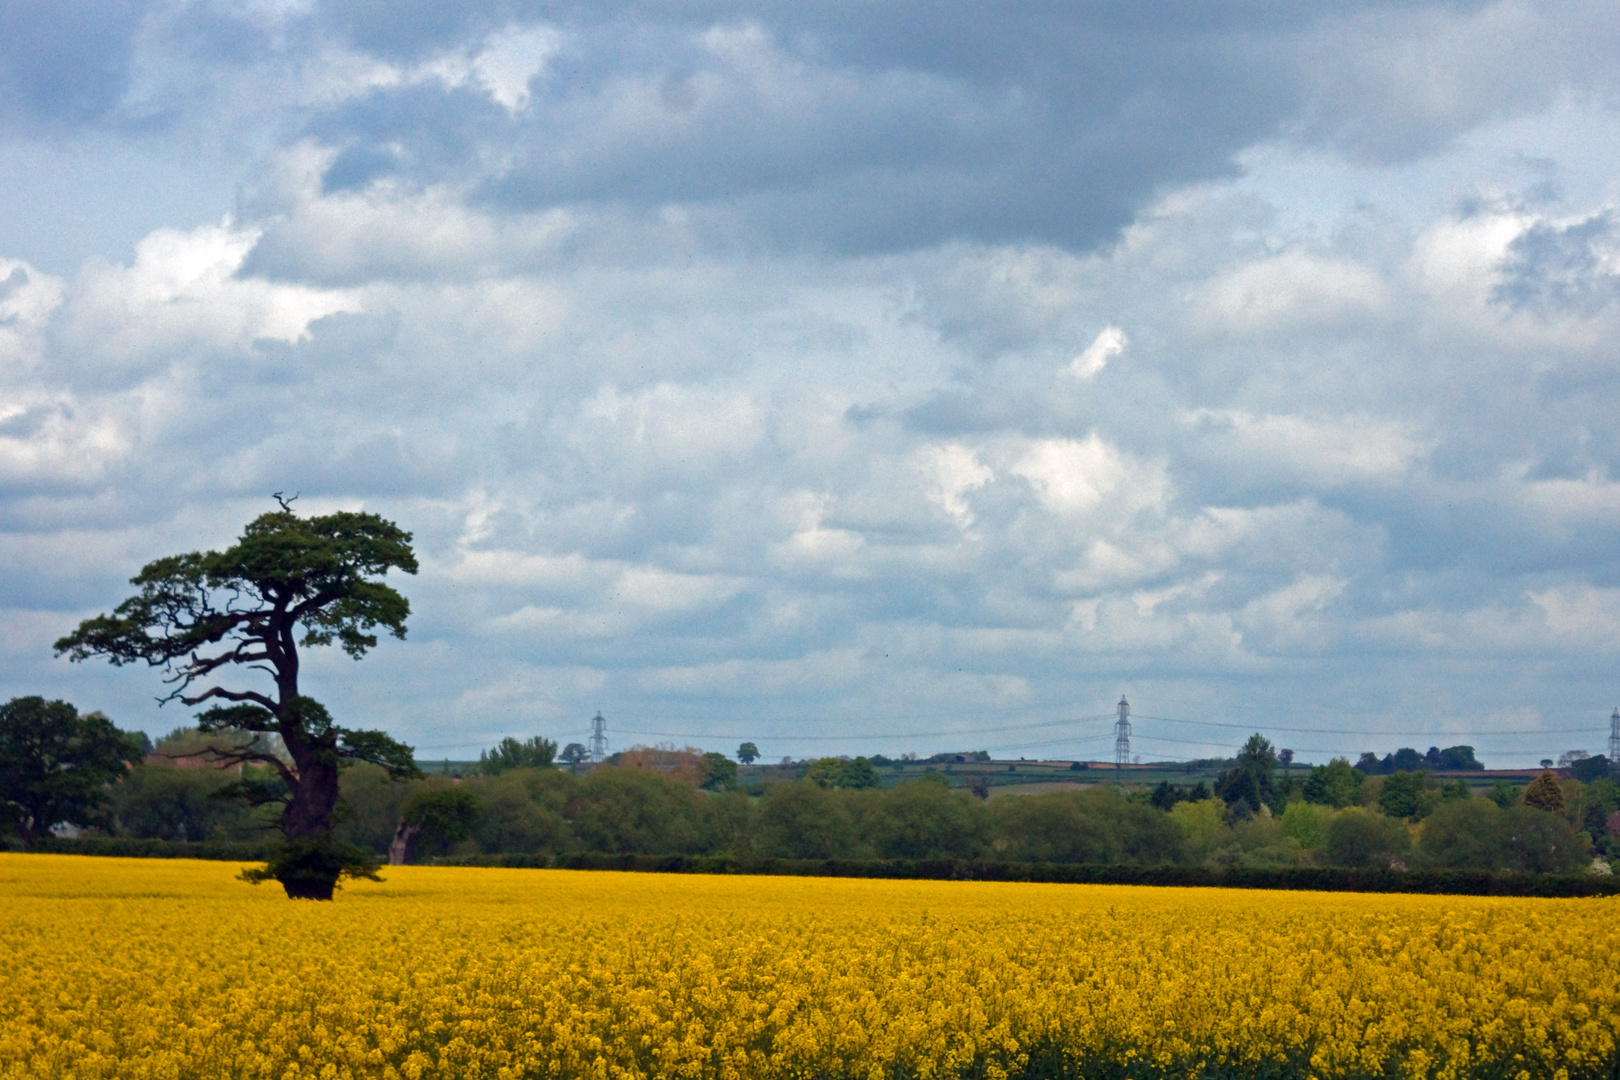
{"points": [[849, 775], [1357, 837], [573, 755], [1306, 823], [1541, 842], [1247, 786], [1260, 840], [636, 810], [925, 821], [1167, 795], [1406, 795], [509, 753], [283, 572], [1335, 784], [1406, 759], [1545, 794], [726, 824], [1458, 758], [156, 800], [445, 814], [1455, 791], [57, 766], [1200, 823], [1504, 793], [719, 772], [525, 811], [1464, 835], [310, 869], [1588, 770], [803, 820], [747, 753], [1097, 825], [1477, 835], [369, 806]]}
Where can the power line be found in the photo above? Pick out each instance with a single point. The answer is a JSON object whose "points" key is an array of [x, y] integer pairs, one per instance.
{"points": [[1077, 738], [895, 735], [1363, 731]]}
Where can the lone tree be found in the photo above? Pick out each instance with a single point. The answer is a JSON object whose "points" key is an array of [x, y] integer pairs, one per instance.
{"points": [[56, 766], [289, 581]]}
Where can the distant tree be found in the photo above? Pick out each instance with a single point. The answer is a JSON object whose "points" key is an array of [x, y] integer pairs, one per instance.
{"points": [[527, 811], [1405, 759], [838, 773], [1455, 790], [1570, 757], [1589, 769], [1465, 836], [1541, 843], [803, 820], [1546, 763], [1595, 818], [1406, 795], [1356, 837], [719, 772], [1307, 824], [1165, 796], [1335, 784], [287, 582], [573, 754], [56, 765], [536, 753], [1460, 759], [1247, 786], [1545, 794], [1432, 758], [447, 814], [1286, 759], [926, 821], [1368, 764], [978, 785], [747, 753], [637, 810], [174, 800], [1504, 793], [1097, 825]]}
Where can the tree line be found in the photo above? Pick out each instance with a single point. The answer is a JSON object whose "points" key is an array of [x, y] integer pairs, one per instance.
{"points": [[661, 801]]}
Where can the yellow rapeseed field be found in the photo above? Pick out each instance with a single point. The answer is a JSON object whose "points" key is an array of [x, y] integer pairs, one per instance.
{"points": [[132, 968]]}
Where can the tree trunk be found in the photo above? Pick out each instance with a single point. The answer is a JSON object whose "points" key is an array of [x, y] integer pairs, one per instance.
{"points": [[309, 815], [309, 889], [307, 820], [399, 850]]}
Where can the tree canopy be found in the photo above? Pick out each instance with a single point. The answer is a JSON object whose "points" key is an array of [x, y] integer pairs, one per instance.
{"points": [[56, 765], [536, 753], [207, 618], [1247, 787]]}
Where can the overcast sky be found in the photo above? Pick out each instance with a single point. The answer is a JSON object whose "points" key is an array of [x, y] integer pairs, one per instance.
{"points": [[846, 376]]}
